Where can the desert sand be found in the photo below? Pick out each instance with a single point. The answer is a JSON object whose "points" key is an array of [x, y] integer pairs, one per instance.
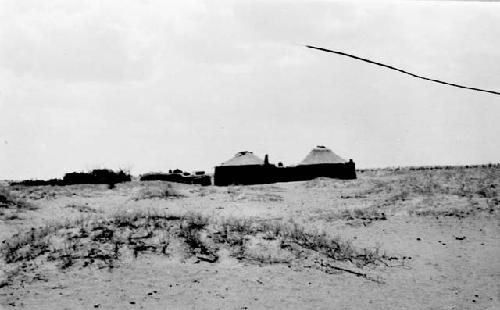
{"points": [[431, 240]]}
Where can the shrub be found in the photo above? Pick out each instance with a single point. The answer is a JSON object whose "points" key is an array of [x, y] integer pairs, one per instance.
{"points": [[191, 229], [9, 200]]}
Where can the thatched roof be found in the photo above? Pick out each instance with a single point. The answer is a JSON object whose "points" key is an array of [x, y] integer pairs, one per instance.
{"points": [[244, 158], [322, 155]]}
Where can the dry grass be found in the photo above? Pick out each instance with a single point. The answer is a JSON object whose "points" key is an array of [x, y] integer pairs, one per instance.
{"points": [[99, 241], [82, 208], [480, 183], [9, 200], [253, 193], [11, 205], [424, 192], [355, 216], [472, 208], [161, 191], [55, 192], [102, 242], [367, 214]]}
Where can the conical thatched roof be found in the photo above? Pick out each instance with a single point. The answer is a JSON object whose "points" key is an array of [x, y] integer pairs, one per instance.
{"points": [[244, 158], [322, 155]]}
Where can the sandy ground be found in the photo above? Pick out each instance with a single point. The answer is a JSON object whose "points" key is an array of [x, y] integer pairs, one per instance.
{"points": [[445, 223]]}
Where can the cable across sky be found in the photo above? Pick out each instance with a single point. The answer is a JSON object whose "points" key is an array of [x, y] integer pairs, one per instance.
{"points": [[402, 71]]}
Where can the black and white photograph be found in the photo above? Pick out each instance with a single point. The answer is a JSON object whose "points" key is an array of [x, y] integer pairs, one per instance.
{"points": [[249, 154]]}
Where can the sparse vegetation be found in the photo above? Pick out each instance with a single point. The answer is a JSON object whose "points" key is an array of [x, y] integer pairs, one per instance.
{"points": [[473, 208], [99, 241], [161, 191], [427, 188], [257, 194], [355, 216], [367, 214], [8, 200], [11, 205], [192, 229], [453, 214], [458, 181], [81, 208], [322, 182]]}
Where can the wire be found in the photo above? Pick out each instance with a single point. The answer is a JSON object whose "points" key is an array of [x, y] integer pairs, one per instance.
{"points": [[402, 71]]}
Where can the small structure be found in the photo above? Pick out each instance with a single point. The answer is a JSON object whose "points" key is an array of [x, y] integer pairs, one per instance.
{"points": [[247, 168]]}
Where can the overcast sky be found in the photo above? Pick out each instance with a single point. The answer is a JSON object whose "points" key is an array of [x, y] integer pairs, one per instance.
{"points": [[157, 85]]}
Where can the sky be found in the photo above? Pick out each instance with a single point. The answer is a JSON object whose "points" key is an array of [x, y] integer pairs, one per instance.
{"points": [[158, 85]]}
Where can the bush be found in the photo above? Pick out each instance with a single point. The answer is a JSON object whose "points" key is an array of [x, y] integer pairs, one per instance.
{"points": [[8, 200]]}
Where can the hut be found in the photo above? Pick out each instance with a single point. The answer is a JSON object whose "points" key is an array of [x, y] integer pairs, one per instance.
{"points": [[244, 168], [323, 162]]}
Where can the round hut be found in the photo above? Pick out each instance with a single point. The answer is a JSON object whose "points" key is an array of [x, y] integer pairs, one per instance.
{"points": [[244, 168], [323, 162]]}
